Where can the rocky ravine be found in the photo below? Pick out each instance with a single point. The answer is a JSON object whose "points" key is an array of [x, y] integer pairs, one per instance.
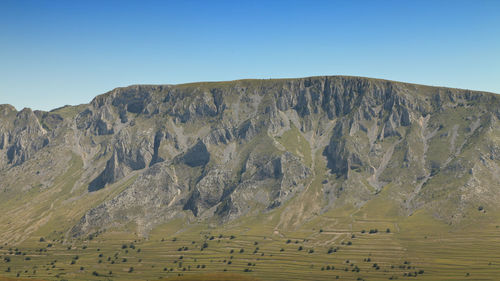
{"points": [[218, 151]]}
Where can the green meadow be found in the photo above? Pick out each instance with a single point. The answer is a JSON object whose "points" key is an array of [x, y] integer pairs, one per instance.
{"points": [[341, 244]]}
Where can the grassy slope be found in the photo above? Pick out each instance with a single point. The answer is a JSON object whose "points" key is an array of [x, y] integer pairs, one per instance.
{"points": [[442, 251]]}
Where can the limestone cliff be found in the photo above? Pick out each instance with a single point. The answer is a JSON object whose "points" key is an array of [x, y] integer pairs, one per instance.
{"points": [[220, 151]]}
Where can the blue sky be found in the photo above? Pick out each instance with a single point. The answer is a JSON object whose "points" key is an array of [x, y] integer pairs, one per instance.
{"points": [[54, 53]]}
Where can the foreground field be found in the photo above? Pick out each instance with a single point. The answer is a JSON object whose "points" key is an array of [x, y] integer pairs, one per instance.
{"points": [[352, 247]]}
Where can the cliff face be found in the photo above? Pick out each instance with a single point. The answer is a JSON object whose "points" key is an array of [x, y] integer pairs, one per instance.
{"points": [[220, 151]]}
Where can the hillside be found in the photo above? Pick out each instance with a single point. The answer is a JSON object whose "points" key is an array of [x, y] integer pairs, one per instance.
{"points": [[376, 178]]}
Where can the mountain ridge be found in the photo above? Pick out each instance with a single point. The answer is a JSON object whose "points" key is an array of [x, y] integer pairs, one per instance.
{"points": [[258, 79]]}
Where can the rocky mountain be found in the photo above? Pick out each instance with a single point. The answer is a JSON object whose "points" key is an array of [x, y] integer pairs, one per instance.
{"points": [[140, 156]]}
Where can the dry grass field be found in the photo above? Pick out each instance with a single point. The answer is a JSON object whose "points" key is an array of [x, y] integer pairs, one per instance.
{"points": [[358, 246]]}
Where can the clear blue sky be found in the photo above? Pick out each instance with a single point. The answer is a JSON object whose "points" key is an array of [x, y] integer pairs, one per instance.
{"points": [[54, 53]]}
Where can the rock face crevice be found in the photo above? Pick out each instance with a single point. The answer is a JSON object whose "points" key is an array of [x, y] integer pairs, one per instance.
{"points": [[221, 151], [196, 155]]}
